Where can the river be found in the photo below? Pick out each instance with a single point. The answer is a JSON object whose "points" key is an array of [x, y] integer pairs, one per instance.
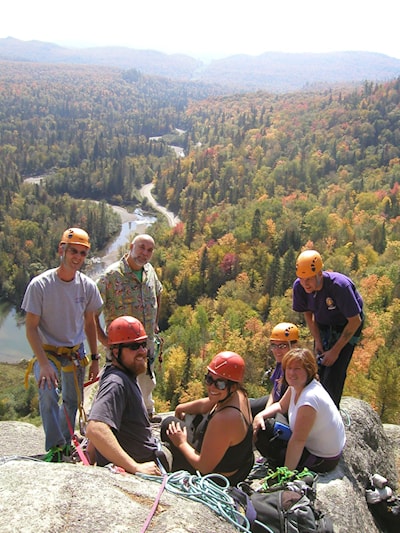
{"points": [[13, 343]]}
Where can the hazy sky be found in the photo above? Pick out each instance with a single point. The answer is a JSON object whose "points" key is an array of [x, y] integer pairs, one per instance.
{"points": [[209, 28]]}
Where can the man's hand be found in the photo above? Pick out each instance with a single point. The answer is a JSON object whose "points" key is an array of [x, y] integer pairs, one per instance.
{"points": [[48, 376], [328, 358], [93, 370], [150, 468]]}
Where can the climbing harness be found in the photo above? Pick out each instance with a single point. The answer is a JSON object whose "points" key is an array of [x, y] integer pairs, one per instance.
{"points": [[53, 353]]}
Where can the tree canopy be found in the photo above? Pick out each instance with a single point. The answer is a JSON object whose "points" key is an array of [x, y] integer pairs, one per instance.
{"points": [[264, 176]]}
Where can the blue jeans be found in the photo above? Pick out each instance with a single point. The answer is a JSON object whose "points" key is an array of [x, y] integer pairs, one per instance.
{"points": [[54, 414]]}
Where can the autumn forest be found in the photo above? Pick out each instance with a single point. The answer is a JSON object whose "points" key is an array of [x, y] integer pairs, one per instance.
{"points": [[263, 177]]}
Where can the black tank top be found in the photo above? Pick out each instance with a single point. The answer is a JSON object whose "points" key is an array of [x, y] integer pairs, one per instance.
{"points": [[239, 454]]}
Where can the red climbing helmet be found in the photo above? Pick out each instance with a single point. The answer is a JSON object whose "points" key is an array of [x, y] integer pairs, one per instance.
{"points": [[125, 329], [227, 365]]}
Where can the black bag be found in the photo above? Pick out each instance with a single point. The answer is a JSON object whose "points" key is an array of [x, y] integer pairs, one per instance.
{"points": [[196, 430], [387, 514], [287, 511], [282, 506]]}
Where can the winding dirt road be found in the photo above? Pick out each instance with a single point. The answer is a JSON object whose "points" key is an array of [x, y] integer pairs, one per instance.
{"points": [[145, 191]]}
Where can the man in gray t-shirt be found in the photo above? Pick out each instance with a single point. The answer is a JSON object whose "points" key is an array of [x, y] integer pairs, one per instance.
{"points": [[60, 306]]}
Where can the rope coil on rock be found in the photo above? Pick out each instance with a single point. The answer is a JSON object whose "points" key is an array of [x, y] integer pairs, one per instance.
{"points": [[202, 489], [197, 488]]}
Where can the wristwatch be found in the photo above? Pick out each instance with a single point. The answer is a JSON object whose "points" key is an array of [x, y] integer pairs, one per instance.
{"points": [[95, 356]]}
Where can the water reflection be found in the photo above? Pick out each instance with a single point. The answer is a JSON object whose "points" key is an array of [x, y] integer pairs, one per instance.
{"points": [[14, 346], [126, 230], [118, 246]]}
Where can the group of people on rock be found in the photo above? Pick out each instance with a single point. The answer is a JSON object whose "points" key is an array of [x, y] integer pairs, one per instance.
{"points": [[297, 425]]}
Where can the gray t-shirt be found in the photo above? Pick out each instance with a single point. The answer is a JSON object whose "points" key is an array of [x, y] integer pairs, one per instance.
{"points": [[119, 404], [61, 306]]}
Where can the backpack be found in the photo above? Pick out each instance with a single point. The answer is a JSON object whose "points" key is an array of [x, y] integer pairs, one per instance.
{"points": [[284, 505], [287, 511]]}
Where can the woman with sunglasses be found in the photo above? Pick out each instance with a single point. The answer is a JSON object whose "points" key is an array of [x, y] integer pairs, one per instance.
{"points": [[225, 445], [284, 336]]}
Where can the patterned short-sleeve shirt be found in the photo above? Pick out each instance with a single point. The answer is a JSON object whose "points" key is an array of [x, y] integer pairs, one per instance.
{"points": [[124, 294]]}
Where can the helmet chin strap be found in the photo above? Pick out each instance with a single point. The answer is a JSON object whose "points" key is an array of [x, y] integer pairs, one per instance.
{"points": [[119, 361], [230, 392]]}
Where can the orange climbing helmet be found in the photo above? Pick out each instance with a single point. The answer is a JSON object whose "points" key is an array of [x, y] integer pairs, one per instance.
{"points": [[227, 365], [125, 329], [308, 264], [286, 332], [75, 236]]}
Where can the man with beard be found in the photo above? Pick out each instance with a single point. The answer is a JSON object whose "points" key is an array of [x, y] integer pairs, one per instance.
{"points": [[119, 428]]}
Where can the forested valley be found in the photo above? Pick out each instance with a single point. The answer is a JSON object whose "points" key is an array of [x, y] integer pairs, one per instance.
{"points": [[263, 177]]}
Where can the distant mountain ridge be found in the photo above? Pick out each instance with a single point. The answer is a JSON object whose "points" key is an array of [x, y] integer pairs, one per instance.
{"points": [[271, 71]]}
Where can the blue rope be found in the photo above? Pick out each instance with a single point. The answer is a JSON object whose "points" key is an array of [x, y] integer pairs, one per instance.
{"points": [[202, 489], [8, 458], [346, 417]]}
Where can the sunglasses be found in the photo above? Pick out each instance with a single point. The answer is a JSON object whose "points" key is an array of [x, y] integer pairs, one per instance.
{"points": [[280, 346], [220, 384], [135, 345]]}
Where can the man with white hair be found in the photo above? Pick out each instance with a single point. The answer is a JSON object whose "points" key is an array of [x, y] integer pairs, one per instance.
{"points": [[131, 287]]}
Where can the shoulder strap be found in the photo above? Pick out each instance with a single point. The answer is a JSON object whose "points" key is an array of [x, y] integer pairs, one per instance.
{"points": [[237, 409], [231, 407]]}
